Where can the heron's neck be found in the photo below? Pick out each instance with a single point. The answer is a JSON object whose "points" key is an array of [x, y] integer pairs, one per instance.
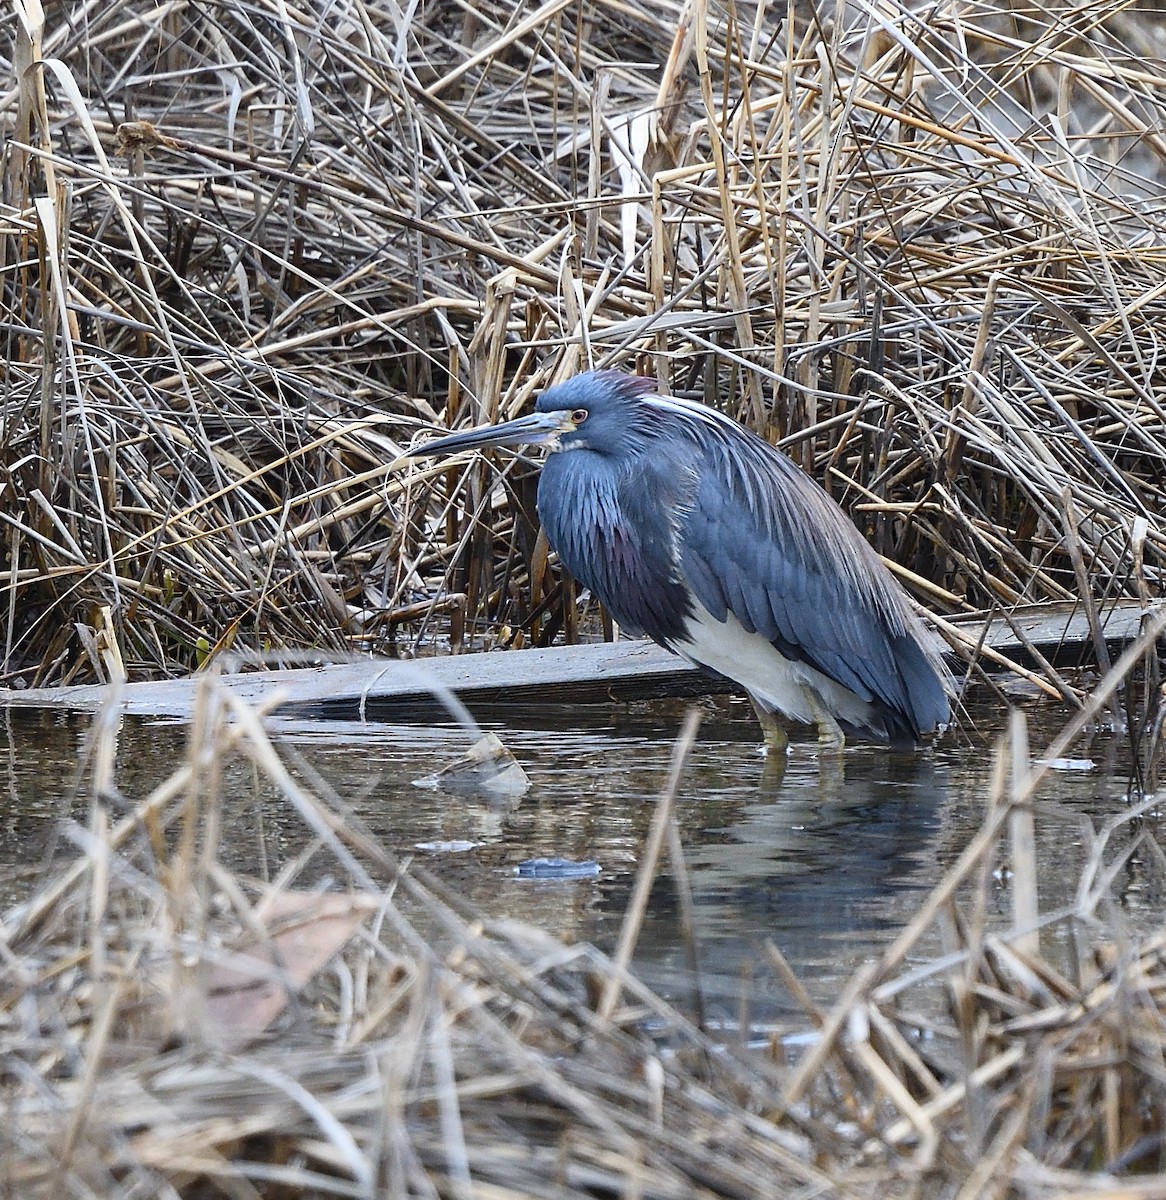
{"points": [[578, 489], [612, 522]]}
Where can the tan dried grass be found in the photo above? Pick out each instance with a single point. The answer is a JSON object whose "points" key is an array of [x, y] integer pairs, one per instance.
{"points": [[249, 250]]}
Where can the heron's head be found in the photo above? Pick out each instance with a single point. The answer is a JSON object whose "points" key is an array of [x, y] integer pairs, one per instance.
{"points": [[593, 411], [597, 411]]}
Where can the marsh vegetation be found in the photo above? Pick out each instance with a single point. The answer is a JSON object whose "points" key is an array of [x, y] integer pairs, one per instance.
{"points": [[249, 252]]}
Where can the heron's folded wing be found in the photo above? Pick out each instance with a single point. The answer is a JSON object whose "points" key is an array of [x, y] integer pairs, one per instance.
{"points": [[763, 542]]}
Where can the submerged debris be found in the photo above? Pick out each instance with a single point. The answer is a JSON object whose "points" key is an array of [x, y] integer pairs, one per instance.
{"points": [[486, 767], [557, 868]]}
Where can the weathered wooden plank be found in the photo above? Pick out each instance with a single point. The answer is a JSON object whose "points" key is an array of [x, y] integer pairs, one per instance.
{"points": [[594, 673], [627, 670], [1059, 630]]}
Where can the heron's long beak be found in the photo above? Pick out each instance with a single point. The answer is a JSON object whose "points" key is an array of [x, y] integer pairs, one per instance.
{"points": [[533, 430]]}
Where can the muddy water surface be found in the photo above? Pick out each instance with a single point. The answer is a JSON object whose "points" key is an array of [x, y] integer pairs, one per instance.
{"points": [[829, 865]]}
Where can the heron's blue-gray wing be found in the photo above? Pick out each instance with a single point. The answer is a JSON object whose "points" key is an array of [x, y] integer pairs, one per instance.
{"points": [[762, 541]]}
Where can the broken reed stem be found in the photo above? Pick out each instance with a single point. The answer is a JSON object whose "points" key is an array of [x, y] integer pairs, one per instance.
{"points": [[1022, 832], [1085, 592], [1099, 698], [638, 903], [687, 916]]}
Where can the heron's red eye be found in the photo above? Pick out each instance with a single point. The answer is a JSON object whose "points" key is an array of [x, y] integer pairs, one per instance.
{"points": [[579, 416]]}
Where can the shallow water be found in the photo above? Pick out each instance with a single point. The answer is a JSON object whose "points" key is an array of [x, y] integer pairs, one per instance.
{"points": [[828, 865]]}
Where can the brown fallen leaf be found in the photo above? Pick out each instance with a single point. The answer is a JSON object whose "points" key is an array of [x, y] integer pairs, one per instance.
{"points": [[305, 930]]}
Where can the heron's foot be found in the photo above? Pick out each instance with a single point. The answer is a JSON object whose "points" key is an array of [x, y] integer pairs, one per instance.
{"points": [[775, 739], [776, 742]]}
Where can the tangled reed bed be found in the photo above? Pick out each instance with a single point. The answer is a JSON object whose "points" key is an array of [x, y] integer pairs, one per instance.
{"points": [[170, 1027], [249, 249]]}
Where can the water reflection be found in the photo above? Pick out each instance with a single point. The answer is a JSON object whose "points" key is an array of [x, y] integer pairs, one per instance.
{"points": [[829, 865], [39, 779], [825, 864]]}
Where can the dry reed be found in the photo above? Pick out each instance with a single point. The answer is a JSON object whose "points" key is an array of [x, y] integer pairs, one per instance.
{"points": [[249, 250]]}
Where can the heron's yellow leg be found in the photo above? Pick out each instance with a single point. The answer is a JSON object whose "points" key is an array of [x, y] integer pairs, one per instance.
{"points": [[776, 738], [831, 739]]}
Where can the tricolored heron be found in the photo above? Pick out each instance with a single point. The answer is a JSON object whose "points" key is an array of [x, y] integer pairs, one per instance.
{"points": [[695, 531]]}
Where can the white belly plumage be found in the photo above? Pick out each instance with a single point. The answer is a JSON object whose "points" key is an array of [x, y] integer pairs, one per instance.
{"points": [[771, 679]]}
